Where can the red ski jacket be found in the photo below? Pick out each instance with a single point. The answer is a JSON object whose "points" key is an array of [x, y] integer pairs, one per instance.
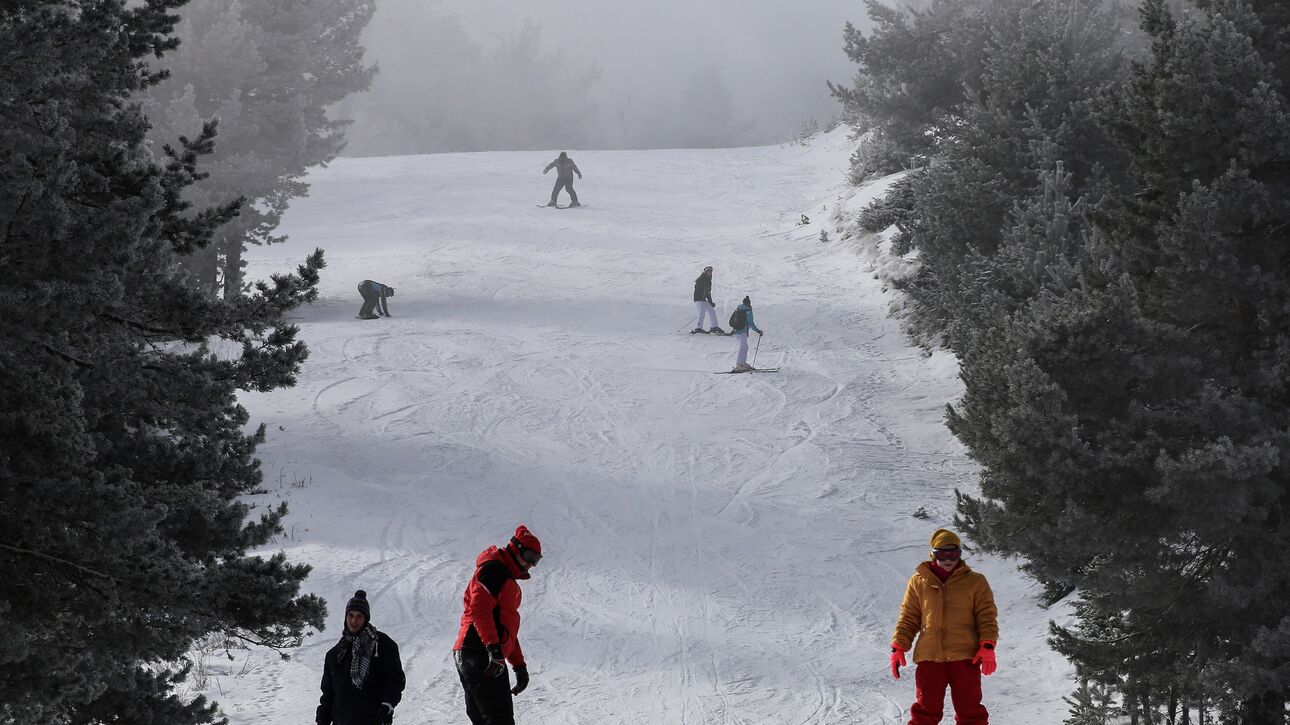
{"points": [[491, 606]]}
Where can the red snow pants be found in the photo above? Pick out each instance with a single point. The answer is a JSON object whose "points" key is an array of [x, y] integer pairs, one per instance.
{"points": [[964, 680]]}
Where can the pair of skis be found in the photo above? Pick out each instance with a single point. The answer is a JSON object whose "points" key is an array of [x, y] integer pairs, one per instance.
{"points": [[734, 372]]}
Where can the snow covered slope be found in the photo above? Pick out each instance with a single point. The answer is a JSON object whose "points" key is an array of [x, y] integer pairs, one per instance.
{"points": [[719, 548]]}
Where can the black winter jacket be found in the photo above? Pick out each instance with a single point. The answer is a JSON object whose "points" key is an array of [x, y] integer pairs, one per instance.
{"points": [[344, 704], [703, 288], [564, 169]]}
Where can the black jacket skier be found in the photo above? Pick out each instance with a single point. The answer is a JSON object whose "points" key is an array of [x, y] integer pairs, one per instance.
{"points": [[564, 171], [374, 295], [703, 287], [366, 657]]}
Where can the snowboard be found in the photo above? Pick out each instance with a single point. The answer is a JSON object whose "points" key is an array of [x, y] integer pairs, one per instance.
{"points": [[753, 370], [548, 206]]}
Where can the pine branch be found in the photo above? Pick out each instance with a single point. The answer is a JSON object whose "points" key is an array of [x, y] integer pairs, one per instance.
{"points": [[58, 560], [13, 219], [68, 357]]}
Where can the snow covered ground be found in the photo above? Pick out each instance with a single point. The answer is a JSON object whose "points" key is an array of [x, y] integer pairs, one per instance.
{"points": [[719, 548]]}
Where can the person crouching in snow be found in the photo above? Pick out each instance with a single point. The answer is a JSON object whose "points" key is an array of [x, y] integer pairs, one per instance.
{"points": [[951, 609], [363, 678], [703, 301], [741, 321], [490, 630], [374, 294]]}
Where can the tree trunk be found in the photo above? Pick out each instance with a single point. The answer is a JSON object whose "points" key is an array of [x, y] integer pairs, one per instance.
{"points": [[1269, 709], [203, 266], [233, 264]]}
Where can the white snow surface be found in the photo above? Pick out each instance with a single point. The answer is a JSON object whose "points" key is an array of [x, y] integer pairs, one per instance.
{"points": [[718, 548]]}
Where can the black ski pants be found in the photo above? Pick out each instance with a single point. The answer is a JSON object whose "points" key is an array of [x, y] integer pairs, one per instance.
{"points": [[371, 298], [567, 184], [488, 699]]}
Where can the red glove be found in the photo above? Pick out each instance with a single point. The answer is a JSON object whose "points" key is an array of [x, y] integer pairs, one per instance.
{"points": [[897, 660], [985, 658]]}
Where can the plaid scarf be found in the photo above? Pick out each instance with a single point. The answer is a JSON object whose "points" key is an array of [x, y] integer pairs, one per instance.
{"points": [[363, 646]]}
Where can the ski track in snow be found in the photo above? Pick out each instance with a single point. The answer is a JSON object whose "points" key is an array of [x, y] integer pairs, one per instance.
{"points": [[720, 549]]}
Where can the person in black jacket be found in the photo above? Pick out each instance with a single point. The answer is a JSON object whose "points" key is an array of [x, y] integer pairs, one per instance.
{"points": [[363, 678], [703, 301], [564, 171], [374, 294]]}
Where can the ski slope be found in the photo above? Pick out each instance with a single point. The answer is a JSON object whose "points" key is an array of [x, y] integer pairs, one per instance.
{"points": [[719, 548]]}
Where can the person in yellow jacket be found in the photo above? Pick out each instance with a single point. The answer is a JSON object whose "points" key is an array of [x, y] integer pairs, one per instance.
{"points": [[950, 608]]}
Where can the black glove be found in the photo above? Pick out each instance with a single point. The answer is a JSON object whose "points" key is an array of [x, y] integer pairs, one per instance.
{"points": [[496, 661], [521, 679], [760, 333], [385, 716]]}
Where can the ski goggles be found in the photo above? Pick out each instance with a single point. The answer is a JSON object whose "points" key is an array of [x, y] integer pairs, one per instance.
{"points": [[530, 556], [947, 554]]}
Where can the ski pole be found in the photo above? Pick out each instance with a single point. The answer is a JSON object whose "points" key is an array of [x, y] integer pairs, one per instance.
{"points": [[754, 362], [685, 325]]}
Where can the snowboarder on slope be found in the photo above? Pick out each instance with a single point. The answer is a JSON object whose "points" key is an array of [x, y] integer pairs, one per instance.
{"points": [[740, 323], [953, 609], [490, 629], [564, 171], [362, 679], [703, 301], [374, 294]]}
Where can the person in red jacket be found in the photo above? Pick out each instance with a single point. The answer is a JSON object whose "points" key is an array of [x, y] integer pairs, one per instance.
{"points": [[490, 629]]}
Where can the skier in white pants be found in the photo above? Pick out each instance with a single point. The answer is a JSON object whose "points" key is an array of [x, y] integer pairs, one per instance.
{"points": [[703, 302], [741, 332]]}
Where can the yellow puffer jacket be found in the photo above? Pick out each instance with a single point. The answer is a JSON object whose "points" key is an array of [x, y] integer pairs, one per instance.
{"points": [[953, 618]]}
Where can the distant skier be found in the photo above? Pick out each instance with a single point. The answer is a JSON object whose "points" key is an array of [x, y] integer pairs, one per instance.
{"points": [[951, 609], [490, 630], [363, 678], [374, 294], [741, 321], [703, 301], [564, 171]]}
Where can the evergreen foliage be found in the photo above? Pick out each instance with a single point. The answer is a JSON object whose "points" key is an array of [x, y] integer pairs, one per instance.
{"points": [[123, 536], [515, 90], [268, 71], [913, 67], [1105, 246], [1127, 396], [1016, 98], [1089, 705]]}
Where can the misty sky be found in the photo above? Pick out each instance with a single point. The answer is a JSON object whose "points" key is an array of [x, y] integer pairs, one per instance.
{"points": [[774, 56]]}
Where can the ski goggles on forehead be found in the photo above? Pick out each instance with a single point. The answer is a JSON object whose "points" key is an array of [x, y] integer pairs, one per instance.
{"points": [[947, 554]]}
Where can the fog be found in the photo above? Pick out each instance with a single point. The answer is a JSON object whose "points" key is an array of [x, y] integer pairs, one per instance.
{"points": [[469, 75]]}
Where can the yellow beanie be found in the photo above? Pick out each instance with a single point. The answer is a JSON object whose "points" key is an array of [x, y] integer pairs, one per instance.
{"points": [[944, 538]]}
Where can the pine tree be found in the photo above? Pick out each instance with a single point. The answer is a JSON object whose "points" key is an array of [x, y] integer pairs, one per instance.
{"points": [[123, 536], [1028, 110], [512, 93], [909, 87], [268, 71], [1136, 413], [1088, 705]]}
